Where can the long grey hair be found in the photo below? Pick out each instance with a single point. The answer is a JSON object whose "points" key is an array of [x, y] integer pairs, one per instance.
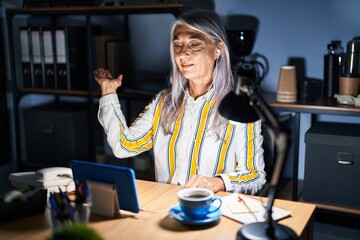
{"points": [[208, 23]]}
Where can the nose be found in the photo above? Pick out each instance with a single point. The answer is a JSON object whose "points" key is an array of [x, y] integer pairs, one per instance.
{"points": [[184, 52]]}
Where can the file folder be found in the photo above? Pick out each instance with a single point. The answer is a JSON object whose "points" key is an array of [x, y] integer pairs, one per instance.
{"points": [[25, 57], [48, 50], [63, 82], [37, 58], [71, 57]]}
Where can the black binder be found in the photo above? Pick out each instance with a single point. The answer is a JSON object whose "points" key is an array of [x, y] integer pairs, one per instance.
{"points": [[25, 57], [48, 51], [71, 57], [37, 56]]}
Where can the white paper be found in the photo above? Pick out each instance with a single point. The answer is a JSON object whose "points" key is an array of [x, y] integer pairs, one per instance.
{"points": [[277, 214]]}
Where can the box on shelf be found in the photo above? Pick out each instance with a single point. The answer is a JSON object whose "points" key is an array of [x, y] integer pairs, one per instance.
{"points": [[57, 133], [332, 164]]}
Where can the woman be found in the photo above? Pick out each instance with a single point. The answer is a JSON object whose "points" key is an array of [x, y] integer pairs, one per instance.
{"points": [[193, 144]]}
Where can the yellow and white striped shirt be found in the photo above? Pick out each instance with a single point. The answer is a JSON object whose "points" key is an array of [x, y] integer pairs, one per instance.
{"points": [[190, 149]]}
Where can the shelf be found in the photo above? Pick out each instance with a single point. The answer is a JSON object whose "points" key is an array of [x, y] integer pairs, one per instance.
{"points": [[126, 94], [92, 10], [53, 91], [319, 105], [91, 92]]}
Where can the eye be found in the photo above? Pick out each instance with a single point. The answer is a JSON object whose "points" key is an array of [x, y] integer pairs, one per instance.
{"points": [[196, 46], [177, 47]]}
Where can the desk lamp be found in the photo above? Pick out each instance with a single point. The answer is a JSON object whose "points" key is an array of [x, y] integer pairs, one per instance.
{"points": [[245, 104]]}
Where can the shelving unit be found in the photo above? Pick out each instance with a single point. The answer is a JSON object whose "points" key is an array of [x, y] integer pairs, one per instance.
{"points": [[90, 94], [4, 123]]}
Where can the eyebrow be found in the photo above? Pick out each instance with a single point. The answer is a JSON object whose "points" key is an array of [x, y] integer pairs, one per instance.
{"points": [[192, 35]]}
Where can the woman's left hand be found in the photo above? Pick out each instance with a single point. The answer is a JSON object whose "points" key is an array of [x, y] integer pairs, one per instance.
{"points": [[215, 184]]}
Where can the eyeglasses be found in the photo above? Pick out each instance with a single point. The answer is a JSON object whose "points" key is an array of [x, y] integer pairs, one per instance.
{"points": [[195, 46]]}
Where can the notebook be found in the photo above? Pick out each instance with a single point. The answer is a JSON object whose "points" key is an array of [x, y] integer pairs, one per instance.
{"points": [[248, 210]]}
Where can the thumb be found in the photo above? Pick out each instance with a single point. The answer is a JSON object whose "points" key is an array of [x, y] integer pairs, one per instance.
{"points": [[119, 80]]}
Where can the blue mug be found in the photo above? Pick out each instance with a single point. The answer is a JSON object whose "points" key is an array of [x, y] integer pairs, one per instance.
{"points": [[196, 203]]}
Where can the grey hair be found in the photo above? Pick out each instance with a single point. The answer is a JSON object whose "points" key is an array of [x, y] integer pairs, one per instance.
{"points": [[208, 23]]}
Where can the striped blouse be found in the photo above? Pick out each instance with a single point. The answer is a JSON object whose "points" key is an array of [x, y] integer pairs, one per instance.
{"points": [[190, 149]]}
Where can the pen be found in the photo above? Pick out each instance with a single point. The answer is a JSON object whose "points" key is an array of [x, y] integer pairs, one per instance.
{"points": [[240, 200], [67, 205], [53, 204]]}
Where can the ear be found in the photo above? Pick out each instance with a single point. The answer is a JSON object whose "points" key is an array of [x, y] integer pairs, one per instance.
{"points": [[219, 49], [217, 53]]}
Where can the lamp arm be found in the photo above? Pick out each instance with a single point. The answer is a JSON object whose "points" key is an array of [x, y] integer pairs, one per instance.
{"points": [[268, 118]]}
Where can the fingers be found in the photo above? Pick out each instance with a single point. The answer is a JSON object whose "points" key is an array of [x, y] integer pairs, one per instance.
{"points": [[104, 73], [215, 184], [108, 74]]}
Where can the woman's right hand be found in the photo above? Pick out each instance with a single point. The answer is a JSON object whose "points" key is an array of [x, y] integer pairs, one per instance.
{"points": [[107, 83]]}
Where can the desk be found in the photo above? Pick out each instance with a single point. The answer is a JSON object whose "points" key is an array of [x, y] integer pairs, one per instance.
{"points": [[149, 225], [317, 106]]}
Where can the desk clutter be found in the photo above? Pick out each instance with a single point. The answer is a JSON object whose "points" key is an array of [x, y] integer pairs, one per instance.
{"points": [[15, 207], [348, 100], [32, 191]]}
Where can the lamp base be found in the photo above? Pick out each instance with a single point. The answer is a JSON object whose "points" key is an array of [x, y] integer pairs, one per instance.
{"points": [[259, 230]]}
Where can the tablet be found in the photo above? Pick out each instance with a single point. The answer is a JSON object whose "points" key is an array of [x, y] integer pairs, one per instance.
{"points": [[123, 178]]}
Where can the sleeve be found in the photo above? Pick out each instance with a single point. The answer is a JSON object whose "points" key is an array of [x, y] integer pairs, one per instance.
{"points": [[249, 176], [126, 141]]}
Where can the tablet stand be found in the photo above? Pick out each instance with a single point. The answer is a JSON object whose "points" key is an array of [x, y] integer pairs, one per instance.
{"points": [[104, 197]]}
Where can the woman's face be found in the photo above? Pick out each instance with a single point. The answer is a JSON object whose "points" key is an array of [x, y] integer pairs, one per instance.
{"points": [[194, 54]]}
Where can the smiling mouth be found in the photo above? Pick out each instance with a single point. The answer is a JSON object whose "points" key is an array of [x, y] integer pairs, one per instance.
{"points": [[186, 65]]}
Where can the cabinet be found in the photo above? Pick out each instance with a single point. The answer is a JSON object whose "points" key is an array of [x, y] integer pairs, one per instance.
{"points": [[86, 20]]}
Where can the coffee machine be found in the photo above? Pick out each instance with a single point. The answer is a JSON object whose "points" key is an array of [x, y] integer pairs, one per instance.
{"points": [[241, 32]]}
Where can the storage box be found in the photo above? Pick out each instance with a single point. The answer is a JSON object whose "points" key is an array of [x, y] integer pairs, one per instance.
{"points": [[332, 164], [56, 134]]}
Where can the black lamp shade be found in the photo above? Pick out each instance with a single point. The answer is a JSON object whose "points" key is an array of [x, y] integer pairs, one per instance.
{"points": [[237, 108]]}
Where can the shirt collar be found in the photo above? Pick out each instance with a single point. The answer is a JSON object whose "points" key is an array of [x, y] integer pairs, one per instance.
{"points": [[208, 96]]}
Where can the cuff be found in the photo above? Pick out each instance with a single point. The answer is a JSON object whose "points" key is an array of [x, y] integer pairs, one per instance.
{"points": [[108, 99], [228, 186]]}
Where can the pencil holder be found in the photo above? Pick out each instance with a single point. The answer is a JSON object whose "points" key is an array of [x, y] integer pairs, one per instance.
{"points": [[64, 213]]}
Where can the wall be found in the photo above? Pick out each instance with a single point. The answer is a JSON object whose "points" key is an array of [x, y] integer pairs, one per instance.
{"points": [[298, 29]]}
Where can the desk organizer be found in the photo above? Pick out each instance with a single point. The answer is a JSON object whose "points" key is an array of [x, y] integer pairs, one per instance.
{"points": [[36, 204]]}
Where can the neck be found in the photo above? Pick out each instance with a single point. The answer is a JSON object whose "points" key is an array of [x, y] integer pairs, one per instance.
{"points": [[198, 89]]}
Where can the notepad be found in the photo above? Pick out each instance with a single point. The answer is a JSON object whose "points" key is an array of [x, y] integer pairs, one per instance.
{"points": [[233, 209], [242, 207]]}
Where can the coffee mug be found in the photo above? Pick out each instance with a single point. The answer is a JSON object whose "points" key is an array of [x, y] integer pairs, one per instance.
{"points": [[196, 203]]}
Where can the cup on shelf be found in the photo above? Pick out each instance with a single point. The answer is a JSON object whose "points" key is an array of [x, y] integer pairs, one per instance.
{"points": [[287, 85], [349, 85]]}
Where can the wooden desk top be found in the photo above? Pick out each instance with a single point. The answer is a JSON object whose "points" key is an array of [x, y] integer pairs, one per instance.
{"points": [[154, 222], [319, 105]]}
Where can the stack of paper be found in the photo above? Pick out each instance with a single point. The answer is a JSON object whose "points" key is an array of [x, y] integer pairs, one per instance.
{"points": [[248, 210]]}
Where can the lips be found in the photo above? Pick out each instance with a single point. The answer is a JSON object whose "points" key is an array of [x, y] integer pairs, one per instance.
{"points": [[186, 65]]}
